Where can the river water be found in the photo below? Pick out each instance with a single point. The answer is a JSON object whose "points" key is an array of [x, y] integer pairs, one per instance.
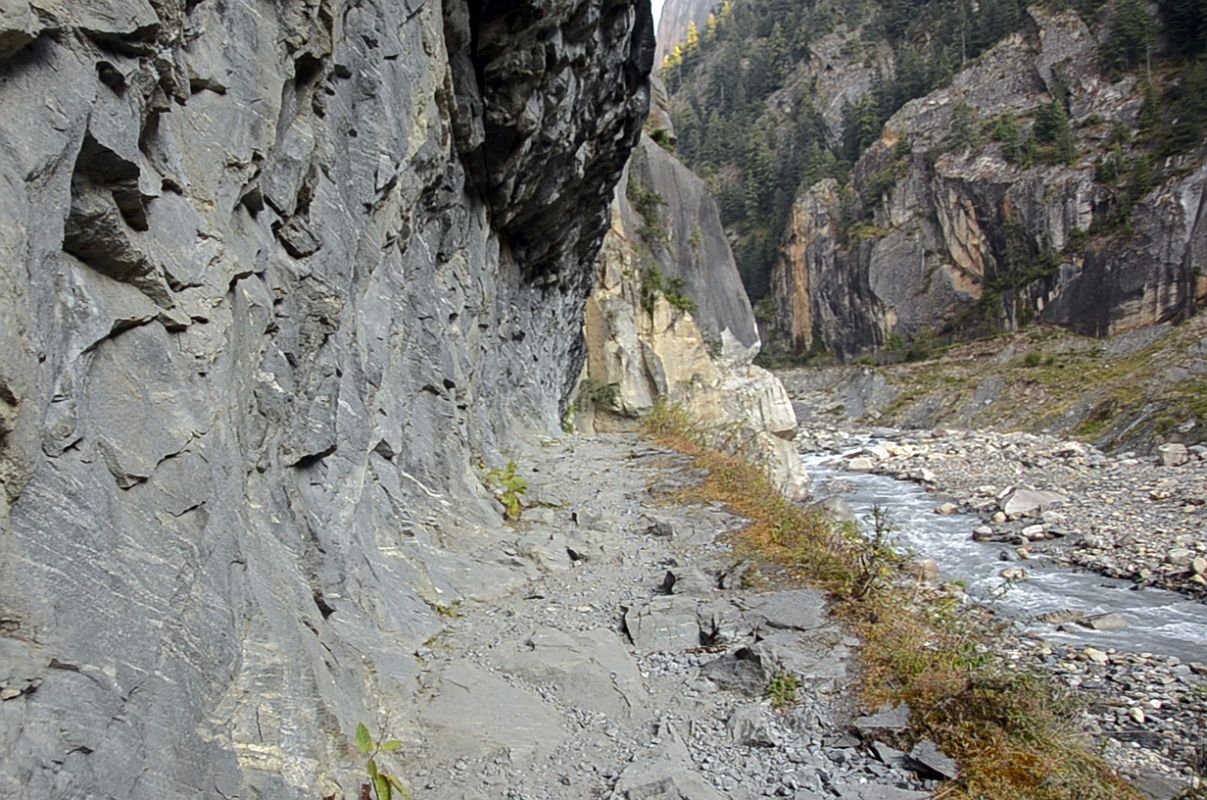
{"points": [[1158, 621]]}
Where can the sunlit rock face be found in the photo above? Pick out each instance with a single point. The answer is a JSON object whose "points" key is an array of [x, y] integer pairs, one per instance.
{"points": [[690, 344]]}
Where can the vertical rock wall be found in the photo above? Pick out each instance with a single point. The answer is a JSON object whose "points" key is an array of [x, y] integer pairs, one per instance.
{"points": [[936, 234], [272, 276], [642, 347]]}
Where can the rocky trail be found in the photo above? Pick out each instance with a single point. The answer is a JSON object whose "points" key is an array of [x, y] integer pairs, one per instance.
{"points": [[620, 651]]}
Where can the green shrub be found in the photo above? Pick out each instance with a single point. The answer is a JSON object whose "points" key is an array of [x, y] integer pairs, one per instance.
{"points": [[663, 138], [782, 689], [647, 203], [385, 785], [509, 488], [654, 283]]}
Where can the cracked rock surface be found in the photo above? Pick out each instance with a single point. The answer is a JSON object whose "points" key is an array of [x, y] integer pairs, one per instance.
{"points": [[273, 276]]}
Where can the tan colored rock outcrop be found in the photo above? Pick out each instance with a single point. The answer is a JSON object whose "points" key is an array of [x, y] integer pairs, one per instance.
{"points": [[639, 353]]}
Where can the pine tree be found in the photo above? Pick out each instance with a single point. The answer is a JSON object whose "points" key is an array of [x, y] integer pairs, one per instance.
{"points": [[1129, 37], [1185, 26], [692, 43], [965, 127]]}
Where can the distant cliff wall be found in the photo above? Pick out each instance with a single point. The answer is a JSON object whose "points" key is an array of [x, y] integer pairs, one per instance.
{"points": [[950, 224], [669, 321]]}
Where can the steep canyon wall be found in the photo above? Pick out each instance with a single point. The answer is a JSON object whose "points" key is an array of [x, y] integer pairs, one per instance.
{"points": [[943, 227], [669, 321], [274, 278]]}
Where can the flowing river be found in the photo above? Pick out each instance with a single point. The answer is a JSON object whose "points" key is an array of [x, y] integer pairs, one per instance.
{"points": [[1158, 621]]}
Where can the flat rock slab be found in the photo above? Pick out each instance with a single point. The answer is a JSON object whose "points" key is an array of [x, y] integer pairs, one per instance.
{"points": [[893, 719], [928, 759], [548, 550], [785, 651], [587, 669], [1022, 502], [667, 775], [795, 609], [475, 712], [664, 623], [872, 791]]}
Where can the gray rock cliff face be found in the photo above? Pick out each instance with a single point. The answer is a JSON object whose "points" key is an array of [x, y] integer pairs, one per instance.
{"points": [[695, 248], [271, 275], [676, 17], [960, 236]]}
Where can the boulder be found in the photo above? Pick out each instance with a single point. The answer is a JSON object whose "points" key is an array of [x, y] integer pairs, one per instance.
{"points": [[1173, 454], [740, 671], [1113, 621], [1027, 502], [691, 581]]}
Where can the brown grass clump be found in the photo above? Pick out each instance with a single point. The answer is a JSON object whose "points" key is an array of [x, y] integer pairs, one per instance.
{"points": [[1012, 730]]}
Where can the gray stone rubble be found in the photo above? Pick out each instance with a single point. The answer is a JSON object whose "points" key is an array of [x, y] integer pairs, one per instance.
{"points": [[609, 679]]}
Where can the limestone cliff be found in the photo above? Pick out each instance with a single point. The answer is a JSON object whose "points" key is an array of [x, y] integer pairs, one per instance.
{"points": [[945, 228], [272, 277], [669, 320]]}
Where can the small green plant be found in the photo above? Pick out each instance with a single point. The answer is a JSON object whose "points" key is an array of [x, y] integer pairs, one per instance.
{"points": [[382, 784], [781, 690], [878, 560], [664, 139], [654, 283], [509, 488], [1033, 359], [647, 203]]}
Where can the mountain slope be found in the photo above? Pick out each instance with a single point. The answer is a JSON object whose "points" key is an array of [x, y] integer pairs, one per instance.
{"points": [[913, 170]]}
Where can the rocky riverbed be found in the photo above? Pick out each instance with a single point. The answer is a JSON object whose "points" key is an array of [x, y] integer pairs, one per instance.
{"points": [[1042, 500], [1126, 516]]}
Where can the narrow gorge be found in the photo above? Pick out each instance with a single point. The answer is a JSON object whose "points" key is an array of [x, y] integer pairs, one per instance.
{"points": [[471, 399]]}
